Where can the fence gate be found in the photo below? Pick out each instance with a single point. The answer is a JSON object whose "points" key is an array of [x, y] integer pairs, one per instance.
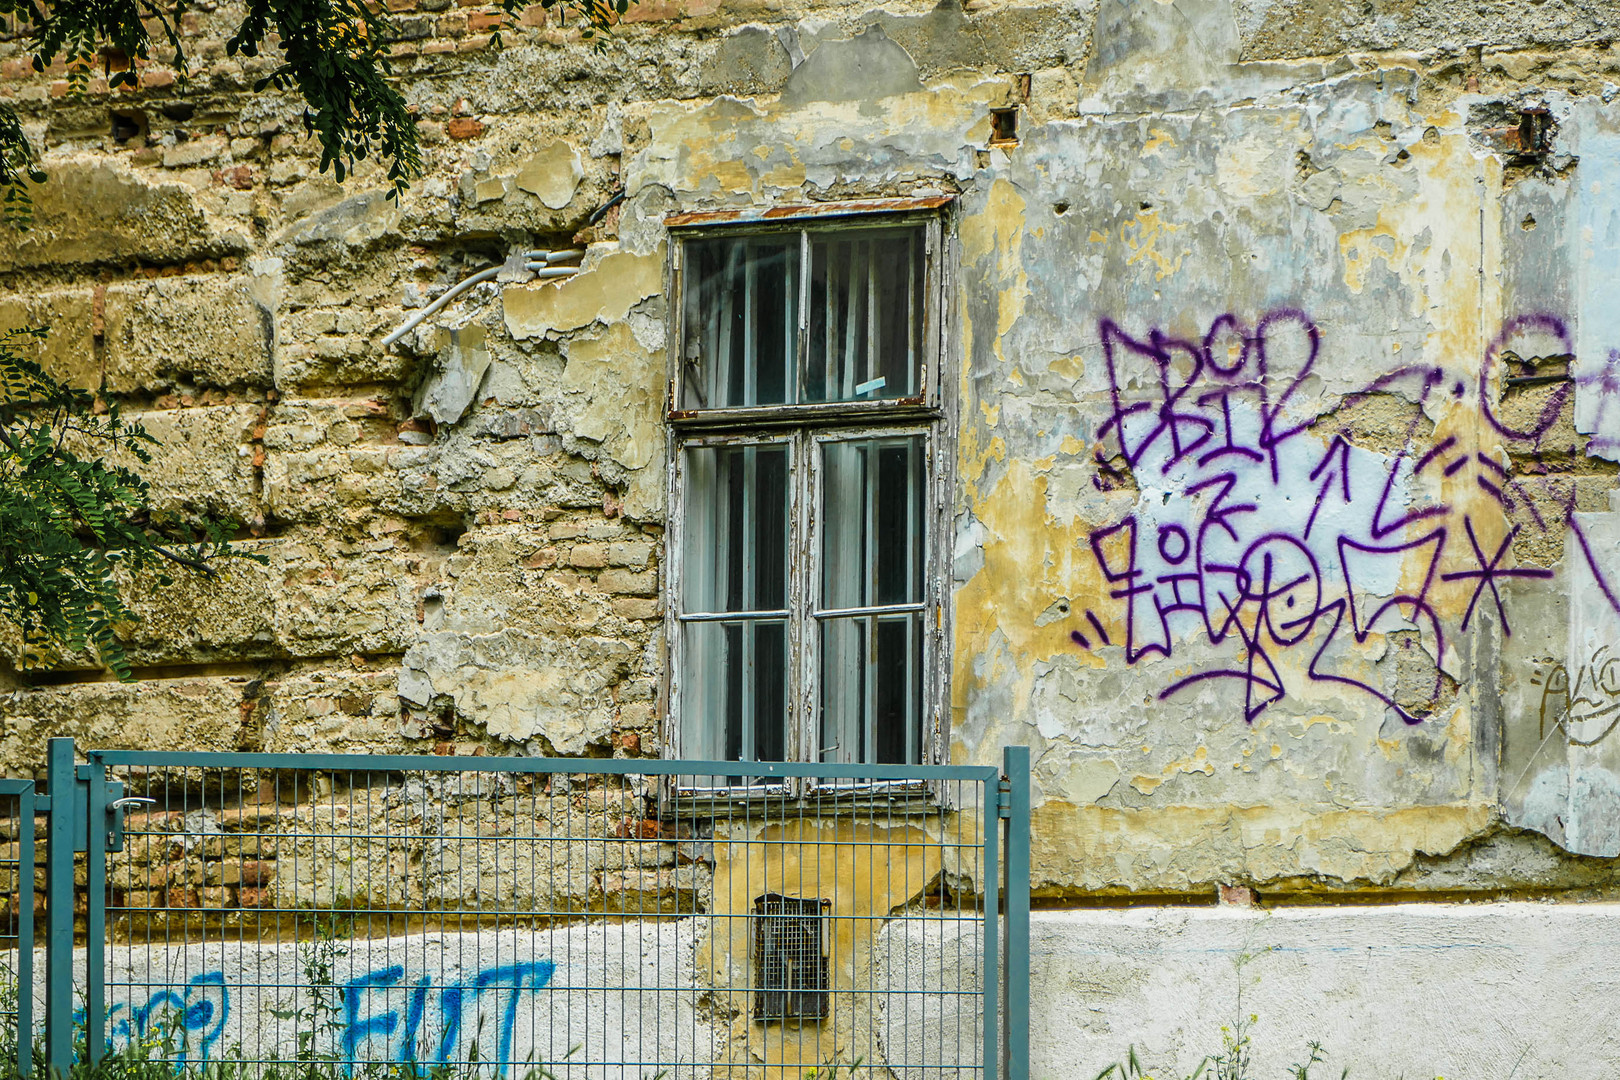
{"points": [[531, 918]]}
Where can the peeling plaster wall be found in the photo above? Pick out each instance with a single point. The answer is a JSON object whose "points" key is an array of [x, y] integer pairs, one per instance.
{"points": [[1281, 375]]}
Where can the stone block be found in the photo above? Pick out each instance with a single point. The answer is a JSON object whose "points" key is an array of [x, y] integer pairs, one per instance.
{"points": [[203, 459], [205, 331], [249, 872], [155, 714], [633, 554], [588, 556], [336, 710], [332, 602], [201, 619], [629, 582], [68, 353], [94, 211]]}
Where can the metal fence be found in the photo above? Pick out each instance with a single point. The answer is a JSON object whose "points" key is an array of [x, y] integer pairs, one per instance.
{"points": [[548, 917], [18, 904]]}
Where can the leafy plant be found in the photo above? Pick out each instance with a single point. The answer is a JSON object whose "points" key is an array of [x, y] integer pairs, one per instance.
{"points": [[72, 516], [1232, 1062]]}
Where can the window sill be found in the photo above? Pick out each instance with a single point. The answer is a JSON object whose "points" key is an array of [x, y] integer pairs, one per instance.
{"points": [[889, 410], [777, 802]]}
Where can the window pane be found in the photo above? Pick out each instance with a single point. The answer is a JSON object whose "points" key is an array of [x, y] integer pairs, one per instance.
{"points": [[741, 322], [871, 689], [872, 522], [736, 528], [866, 315], [734, 691]]}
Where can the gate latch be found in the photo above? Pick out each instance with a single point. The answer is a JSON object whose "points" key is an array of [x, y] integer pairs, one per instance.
{"points": [[115, 815]]}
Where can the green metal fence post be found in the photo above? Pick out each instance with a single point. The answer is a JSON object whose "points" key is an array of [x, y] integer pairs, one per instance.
{"points": [[992, 903], [95, 888], [1015, 764], [61, 832]]}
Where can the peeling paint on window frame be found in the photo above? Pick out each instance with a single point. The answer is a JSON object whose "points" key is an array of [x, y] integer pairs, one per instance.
{"points": [[806, 427]]}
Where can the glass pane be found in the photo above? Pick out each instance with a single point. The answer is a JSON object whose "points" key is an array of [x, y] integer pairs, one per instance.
{"points": [[741, 322], [736, 528], [871, 689], [866, 315], [872, 522], [734, 691]]}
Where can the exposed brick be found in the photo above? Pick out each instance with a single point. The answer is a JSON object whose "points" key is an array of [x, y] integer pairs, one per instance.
{"points": [[652, 11], [157, 80], [539, 560], [588, 556], [465, 127], [634, 554], [240, 177], [629, 583], [635, 607], [253, 898], [415, 29], [480, 21]]}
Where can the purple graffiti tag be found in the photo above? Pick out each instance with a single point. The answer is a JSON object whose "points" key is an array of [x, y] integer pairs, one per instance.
{"points": [[1256, 534], [1489, 573], [1534, 323]]}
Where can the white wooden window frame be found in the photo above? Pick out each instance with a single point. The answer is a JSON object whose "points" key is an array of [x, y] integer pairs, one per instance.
{"points": [[808, 428]]}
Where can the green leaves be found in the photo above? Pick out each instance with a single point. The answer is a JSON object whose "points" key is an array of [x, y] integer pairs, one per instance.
{"points": [[71, 525], [334, 53]]}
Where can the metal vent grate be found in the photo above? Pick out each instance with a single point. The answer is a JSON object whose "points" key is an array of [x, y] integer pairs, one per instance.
{"points": [[790, 969]]}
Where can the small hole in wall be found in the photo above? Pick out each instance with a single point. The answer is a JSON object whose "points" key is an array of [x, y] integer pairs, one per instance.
{"points": [[1060, 208], [128, 124], [1003, 126], [1528, 223], [1146, 206]]}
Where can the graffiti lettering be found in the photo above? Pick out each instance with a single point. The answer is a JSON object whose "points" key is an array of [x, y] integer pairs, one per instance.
{"points": [[190, 1019], [1251, 533], [1586, 710]]}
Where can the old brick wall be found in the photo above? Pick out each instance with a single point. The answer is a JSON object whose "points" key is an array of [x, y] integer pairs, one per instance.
{"points": [[484, 575]]}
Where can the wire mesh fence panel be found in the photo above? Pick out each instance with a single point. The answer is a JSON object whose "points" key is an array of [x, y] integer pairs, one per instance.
{"points": [[19, 905], [534, 918]]}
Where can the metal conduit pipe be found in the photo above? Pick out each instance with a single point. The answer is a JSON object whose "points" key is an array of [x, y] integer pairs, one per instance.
{"points": [[538, 262], [444, 298]]}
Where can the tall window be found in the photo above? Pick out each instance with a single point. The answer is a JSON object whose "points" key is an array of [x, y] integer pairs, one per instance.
{"points": [[805, 614]]}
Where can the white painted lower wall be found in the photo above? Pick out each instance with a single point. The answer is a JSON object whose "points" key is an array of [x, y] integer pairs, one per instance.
{"points": [[1524, 991], [1507, 991]]}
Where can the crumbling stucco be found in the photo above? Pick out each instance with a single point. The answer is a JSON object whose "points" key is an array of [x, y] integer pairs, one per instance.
{"points": [[1279, 380]]}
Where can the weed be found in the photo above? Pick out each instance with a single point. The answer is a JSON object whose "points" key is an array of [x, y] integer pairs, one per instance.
{"points": [[1234, 1061]]}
